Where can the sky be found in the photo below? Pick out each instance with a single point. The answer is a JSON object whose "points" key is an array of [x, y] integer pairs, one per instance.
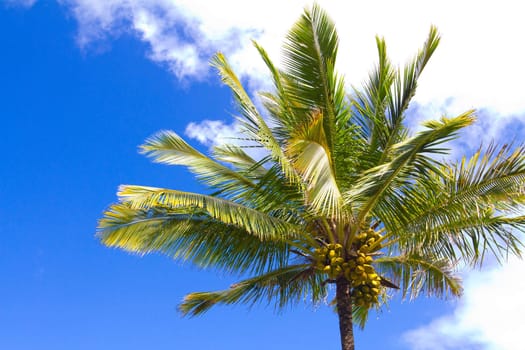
{"points": [[84, 82]]}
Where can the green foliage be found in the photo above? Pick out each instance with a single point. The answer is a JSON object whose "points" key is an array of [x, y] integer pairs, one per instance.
{"points": [[337, 165]]}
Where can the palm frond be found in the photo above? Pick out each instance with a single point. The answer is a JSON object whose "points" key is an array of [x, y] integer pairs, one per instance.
{"points": [[495, 174], [254, 222], [415, 273], [379, 108], [309, 151], [279, 105], [410, 161], [470, 235], [309, 55], [239, 159], [360, 315], [253, 123], [188, 234], [275, 193], [282, 286], [169, 148], [371, 103], [467, 208], [405, 83]]}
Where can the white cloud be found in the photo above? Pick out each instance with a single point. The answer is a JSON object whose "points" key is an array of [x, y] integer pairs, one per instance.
{"points": [[212, 132], [183, 35], [216, 132], [488, 317], [182, 57]]}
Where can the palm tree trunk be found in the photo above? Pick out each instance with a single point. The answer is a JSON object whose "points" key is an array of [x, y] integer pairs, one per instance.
{"points": [[344, 311]]}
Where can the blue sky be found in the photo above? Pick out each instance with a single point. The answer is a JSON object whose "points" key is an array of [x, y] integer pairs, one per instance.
{"points": [[83, 83]]}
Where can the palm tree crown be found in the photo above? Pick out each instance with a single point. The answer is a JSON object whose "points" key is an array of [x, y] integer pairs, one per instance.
{"points": [[345, 195]]}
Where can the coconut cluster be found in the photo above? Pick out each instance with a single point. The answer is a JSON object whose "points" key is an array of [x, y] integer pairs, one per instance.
{"points": [[365, 281], [330, 260], [355, 267]]}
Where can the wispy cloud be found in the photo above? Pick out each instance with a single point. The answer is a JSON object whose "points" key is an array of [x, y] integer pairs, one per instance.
{"points": [[182, 35], [213, 132], [488, 317], [172, 38]]}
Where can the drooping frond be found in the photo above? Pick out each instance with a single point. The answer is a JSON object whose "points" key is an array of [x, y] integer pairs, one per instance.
{"points": [[467, 233], [465, 209], [415, 273], [254, 222], [311, 157], [360, 315], [190, 235], [283, 286], [495, 175], [473, 237]]}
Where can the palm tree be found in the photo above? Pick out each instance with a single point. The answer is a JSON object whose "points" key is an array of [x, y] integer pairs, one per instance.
{"points": [[345, 195]]}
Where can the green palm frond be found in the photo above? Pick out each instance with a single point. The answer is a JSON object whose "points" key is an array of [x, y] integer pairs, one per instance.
{"points": [[253, 221], [273, 189], [371, 103], [190, 235], [240, 160], [279, 106], [360, 315], [310, 153], [283, 286], [467, 209], [405, 84], [309, 56], [169, 148], [416, 273], [348, 155], [252, 122], [470, 235], [410, 161], [490, 175], [274, 193], [380, 106]]}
